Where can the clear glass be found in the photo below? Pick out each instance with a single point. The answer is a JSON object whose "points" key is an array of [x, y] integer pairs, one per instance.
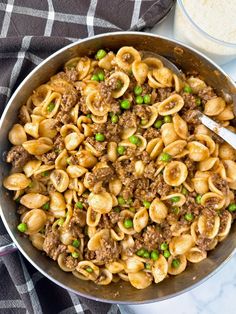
{"points": [[187, 31]]}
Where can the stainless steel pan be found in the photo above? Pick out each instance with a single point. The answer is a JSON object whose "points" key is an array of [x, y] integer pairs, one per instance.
{"points": [[186, 58]]}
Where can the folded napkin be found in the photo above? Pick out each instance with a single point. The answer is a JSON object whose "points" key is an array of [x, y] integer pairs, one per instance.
{"points": [[29, 32]]}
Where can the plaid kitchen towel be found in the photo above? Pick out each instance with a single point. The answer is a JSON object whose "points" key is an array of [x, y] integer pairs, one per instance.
{"points": [[29, 32]]}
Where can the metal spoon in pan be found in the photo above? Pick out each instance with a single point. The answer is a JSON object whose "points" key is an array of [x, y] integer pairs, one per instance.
{"points": [[222, 132]]}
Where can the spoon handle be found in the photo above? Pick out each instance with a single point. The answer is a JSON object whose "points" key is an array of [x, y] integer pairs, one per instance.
{"points": [[224, 133]]}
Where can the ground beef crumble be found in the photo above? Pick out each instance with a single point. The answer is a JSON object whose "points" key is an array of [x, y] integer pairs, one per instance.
{"points": [[18, 156], [53, 246]]}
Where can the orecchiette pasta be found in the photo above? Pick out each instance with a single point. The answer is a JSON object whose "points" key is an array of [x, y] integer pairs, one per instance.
{"points": [[115, 177]]}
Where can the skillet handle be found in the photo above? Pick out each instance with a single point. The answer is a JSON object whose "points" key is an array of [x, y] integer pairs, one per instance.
{"points": [[7, 249]]}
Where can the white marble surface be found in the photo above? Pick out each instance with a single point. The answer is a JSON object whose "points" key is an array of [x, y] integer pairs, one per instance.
{"points": [[218, 294]]}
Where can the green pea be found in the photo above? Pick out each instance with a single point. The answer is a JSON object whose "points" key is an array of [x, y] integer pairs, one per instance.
{"points": [[132, 209], [46, 206], [30, 185], [232, 207], [146, 254], [101, 76], [128, 223], [138, 90], [198, 101], [140, 252], [158, 124], [134, 139], [146, 204], [76, 243], [147, 266], [139, 100], [154, 255], [198, 199], [125, 104], [17, 200], [164, 246], [114, 119], [165, 157], [68, 161], [120, 150], [175, 263], [175, 210], [147, 99], [95, 78], [129, 201], [75, 255], [89, 269], [101, 53], [89, 115], [45, 174], [22, 227], [121, 200], [99, 137], [116, 209], [175, 199], [79, 205], [184, 191], [144, 121], [188, 89], [188, 217], [166, 254], [50, 106], [167, 119], [60, 221]]}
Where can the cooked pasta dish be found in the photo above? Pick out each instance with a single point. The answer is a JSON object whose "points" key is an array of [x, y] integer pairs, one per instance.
{"points": [[114, 176]]}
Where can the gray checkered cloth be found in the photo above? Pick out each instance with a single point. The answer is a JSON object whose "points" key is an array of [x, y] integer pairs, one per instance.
{"points": [[29, 32]]}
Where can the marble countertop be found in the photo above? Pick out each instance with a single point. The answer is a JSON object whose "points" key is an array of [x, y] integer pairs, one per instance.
{"points": [[216, 295]]}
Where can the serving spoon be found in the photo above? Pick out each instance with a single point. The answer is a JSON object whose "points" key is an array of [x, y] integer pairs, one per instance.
{"points": [[221, 131]]}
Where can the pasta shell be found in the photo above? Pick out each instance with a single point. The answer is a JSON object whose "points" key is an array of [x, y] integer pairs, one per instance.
{"points": [[95, 242], [86, 159], [204, 229], [171, 105], [62, 264], [66, 237], [127, 132], [154, 147], [57, 205], [95, 105], [106, 62], [123, 79], [60, 180], [47, 128], [153, 82], [126, 214], [133, 265], [115, 186], [37, 240], [196, 84], [159, 269], [180, 127], [175, 148], [181, 244], [226, 115], [83, 67], [83, 265], [105, 277], [139, 168], [17, 135], [230, 168], [227, 152], [195, 255], [16, 182], [61, 160], [168, 133], [225, 225], [140, 280], [73, 140], [153, 63], [214, 106], [39, 146], [76, 171], [197, 151], [34, 200], [112, 151], [125, 63], [158, 211], [177, 83], [31, 166], [164, 76], [140, 71], [207, 141], [101, 203], [140, 220], [182, 198], [152, 119], [115, 267], [208, 164], [35, 220], [92, 217], [51, 105], [217, 201], [41, 94], [177, 270], [200, 185], [175, 173]]}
